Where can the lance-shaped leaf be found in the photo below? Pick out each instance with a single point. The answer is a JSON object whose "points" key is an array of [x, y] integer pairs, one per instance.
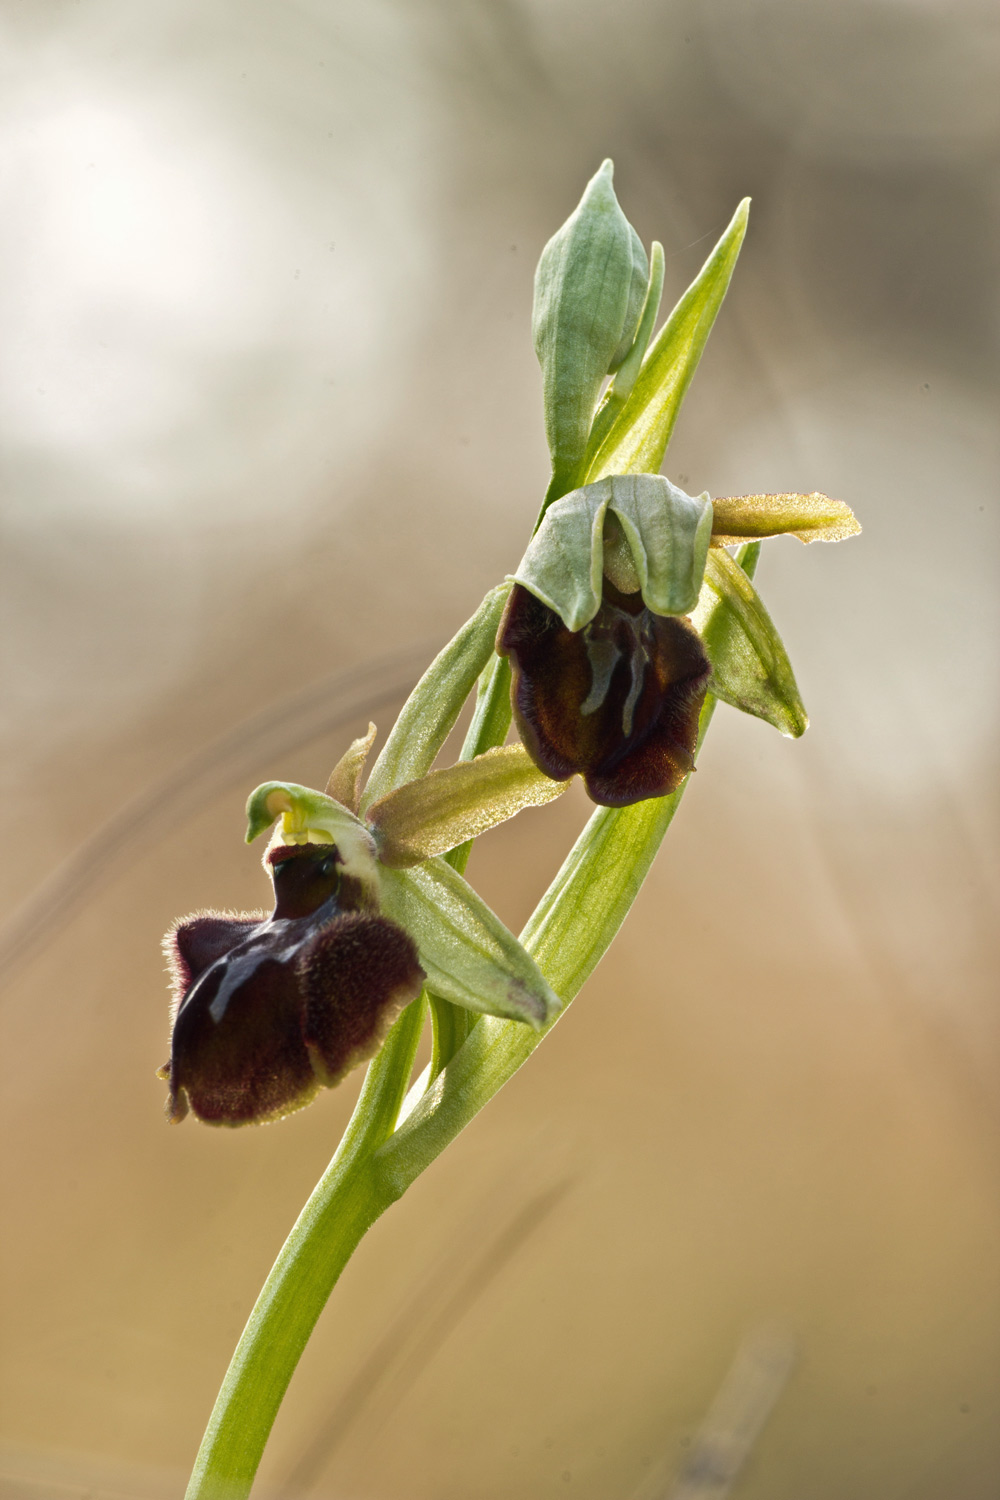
{"points": [[344, 785], [311, 817], [750, 667], [428, 715], [812, 518], [448, 806], [589, 291], [468, 954], [660, 549], [638, 440]]}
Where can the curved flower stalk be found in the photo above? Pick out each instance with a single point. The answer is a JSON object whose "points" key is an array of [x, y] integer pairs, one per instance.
{"points": [[624, 624]]}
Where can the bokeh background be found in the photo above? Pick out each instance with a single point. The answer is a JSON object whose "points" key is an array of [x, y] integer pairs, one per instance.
{"points": [[271, 427]]}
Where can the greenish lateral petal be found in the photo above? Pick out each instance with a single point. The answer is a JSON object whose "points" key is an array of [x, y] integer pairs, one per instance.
{"points": [[448, 806], [639, 437], [469, 956], [750, 667], [590, 286], [344, 785], [660, 550], [428, 715], [811, 518]]}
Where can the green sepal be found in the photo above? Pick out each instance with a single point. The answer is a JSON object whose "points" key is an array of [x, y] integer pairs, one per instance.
{"points": [[811, 518], [459, 802], [660, 550], [750, 667], [638, 439], [590, 286], [429, 714], [469, 956]]}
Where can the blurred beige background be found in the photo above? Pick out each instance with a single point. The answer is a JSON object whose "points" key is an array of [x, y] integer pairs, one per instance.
{"points": [[271, 427]]}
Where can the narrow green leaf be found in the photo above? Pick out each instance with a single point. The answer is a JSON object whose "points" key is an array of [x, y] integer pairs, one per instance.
{"points": [[469, 956], [491, 716], [428, 715], [750, 667], [459, 802], [639, 437], [812, 518]]}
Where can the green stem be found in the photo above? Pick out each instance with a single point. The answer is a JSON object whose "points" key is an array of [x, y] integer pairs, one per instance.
{"points": [[347, 1200]]}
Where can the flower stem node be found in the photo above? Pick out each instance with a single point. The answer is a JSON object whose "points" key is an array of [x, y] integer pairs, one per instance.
{"points": [[269, 1009]]}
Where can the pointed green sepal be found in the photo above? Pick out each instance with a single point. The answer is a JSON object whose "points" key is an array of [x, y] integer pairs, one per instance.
{"points": [[469, 956], [750, 667], [311, 817], [638, 440], [429, 714], [812, 518], [590, 286], [656, 543], [459, 802]]}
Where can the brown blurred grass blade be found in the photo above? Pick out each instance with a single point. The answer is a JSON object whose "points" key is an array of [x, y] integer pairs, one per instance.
{"points": [[734, 1421], [283, 725]]}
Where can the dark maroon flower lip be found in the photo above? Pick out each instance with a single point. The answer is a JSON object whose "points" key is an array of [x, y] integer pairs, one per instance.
{"points": [[616, 702], [272, 1008]]}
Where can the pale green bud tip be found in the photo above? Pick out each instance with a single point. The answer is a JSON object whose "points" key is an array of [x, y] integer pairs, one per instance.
{"points": [[590, 287]]}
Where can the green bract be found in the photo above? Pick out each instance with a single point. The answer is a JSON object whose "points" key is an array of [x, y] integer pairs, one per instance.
{"points": [[590, 288], [639, 530]]}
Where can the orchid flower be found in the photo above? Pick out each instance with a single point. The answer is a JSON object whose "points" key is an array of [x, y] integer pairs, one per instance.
{"points": [[270, 1008]]}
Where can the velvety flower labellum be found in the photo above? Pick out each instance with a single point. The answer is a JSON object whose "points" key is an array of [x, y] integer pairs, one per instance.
{"points": [[617, 701], [270, 1009]]}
